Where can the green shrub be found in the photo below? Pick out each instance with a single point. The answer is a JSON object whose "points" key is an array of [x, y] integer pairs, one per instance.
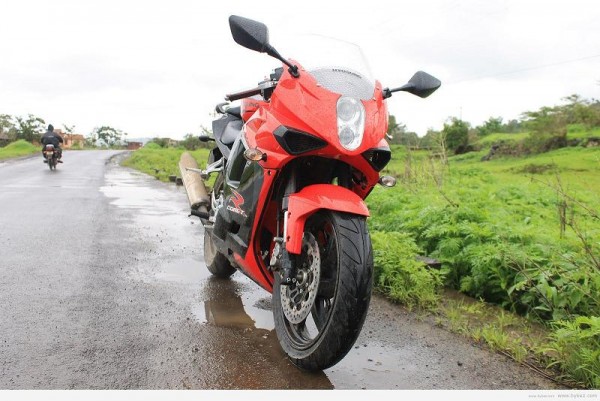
{"points": [[575, 349], [400, 275], [17, 149]]}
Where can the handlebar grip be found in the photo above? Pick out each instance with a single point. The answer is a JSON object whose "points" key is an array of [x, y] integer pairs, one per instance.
{"points": [[244, 94]]}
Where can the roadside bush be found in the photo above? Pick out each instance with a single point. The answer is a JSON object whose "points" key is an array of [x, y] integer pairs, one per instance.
{"points": [[576, 348], [17, 148], [152, 146], [398, 273]]}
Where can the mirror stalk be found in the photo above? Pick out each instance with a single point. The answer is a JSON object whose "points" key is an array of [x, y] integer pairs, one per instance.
{"points": [[293, 69]]}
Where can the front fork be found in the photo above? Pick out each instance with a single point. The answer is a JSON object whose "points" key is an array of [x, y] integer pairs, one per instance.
{"points": [[282, 261]]}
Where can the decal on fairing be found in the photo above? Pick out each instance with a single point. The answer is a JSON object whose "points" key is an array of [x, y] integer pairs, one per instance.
{"points": [[237, 200]]}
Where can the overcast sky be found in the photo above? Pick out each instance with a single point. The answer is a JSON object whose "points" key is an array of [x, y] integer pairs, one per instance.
{"points": [[158, 68]]}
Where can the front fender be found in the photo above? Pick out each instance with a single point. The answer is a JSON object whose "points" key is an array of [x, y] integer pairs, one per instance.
{"points": [[304, 203]]}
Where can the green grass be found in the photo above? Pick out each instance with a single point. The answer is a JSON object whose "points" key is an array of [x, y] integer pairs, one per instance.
{"points": [[487, 140], [162, 162], [17, 149], [574, 131], [496, 228]]}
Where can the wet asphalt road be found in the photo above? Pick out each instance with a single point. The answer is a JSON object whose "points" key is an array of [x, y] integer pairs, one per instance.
{"points": [[103, 286]]}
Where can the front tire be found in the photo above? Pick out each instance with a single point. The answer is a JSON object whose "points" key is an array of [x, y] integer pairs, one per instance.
{"points": [[317, 330]]}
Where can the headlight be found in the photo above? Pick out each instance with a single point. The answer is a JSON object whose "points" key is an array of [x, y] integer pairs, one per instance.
{"points": [[350, 122]]}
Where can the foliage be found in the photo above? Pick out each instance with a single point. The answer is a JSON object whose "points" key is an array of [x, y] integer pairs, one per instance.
{"points": [[456, 132], [191, 142], [398, 134], [494, 125], [161, 142], [69, 129], [30, 128], [576, 348], [107, 136], [18, 148], [521, 233], [400, 275], [7, 126], [162, 162]]}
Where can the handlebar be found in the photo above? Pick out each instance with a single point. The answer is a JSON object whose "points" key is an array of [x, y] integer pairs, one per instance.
{"points": [[243, 94], [250, 92]]}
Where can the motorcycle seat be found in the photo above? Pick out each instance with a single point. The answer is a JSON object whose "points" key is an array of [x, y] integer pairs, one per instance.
{"points": [[235, 111], [225, 131]]}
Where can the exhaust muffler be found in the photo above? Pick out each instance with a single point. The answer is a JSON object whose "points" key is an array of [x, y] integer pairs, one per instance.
{"points": [[194, 185]]}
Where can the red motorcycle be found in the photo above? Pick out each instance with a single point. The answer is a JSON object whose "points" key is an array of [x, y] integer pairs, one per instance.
{"points": [[294, 164]]}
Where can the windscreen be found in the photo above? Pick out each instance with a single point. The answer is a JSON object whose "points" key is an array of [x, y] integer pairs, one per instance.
{"points": [[337, 65]]}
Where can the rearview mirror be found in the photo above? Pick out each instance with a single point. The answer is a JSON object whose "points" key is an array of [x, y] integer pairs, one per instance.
{"points": [[251, 34], [421, 84]]}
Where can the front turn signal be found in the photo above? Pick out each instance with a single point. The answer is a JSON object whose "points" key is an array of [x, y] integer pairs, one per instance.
{"points": [[254, 155], [387, 181]]}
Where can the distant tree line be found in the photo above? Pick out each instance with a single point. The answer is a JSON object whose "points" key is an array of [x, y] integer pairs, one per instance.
{"points": [[547, 128], [30, 128]]}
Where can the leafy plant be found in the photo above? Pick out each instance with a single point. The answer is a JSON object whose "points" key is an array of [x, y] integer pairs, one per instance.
{"points": [[400, 275]]}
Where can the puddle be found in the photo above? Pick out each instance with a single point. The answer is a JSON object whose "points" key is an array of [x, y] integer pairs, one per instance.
{"points": [[187, 270], [134, 191], [229, 305]]}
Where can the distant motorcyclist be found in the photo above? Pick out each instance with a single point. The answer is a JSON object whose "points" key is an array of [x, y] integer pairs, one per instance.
{"points": [[52, 138]]}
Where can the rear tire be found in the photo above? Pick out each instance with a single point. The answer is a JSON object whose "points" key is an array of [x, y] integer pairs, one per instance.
{"points": [[337, 312], [216, 262]]}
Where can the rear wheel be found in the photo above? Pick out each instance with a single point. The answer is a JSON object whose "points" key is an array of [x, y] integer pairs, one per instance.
{"points": [[319, 317], [216, 262]]}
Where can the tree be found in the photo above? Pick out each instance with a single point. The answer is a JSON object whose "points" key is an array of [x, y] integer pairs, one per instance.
{"points": [[91, 140], [191, 142], [108, 136], [29, 128], [430, 139], [548, 129], [456, 132], [162, 142], [7, 126], [581, 111], [398, 134], [69, 129], [491, 126]]}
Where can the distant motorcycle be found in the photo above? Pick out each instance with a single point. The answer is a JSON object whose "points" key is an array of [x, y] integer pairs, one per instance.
{"points": [[51, 156], [294, 165]]}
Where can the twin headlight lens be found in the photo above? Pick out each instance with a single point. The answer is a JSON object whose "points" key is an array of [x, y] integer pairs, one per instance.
{"points": [[350, 122]]}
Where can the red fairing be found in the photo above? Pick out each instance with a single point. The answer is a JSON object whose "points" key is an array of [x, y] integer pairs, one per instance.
{"points": [[301, 104], [249, 107], [315, 197]]}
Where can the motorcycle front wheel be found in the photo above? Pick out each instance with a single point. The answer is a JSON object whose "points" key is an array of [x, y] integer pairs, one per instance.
{"points": [[319, 317]]}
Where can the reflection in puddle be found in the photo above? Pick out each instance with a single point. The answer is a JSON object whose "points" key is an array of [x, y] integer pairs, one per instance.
{"points": [[226, 308], [127, 190], [233, 304]]}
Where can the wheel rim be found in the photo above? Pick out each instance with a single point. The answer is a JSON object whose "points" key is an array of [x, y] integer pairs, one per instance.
{"points": [[304, 325], [298, 299]]}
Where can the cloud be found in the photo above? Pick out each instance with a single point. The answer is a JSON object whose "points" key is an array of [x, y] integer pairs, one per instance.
{"points": [[159, 68]]}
